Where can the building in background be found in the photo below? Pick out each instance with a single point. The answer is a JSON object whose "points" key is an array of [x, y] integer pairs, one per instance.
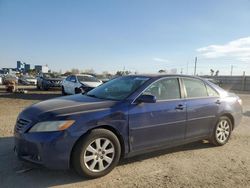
{"points": [[22, 67], [42, 68], [26, 68]]}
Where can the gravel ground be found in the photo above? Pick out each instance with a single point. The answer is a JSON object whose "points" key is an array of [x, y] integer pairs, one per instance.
{"points": [[194, 165]]}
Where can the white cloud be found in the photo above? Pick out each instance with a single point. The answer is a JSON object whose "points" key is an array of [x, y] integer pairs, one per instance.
{"points": [[238, 49], [160, 60]]}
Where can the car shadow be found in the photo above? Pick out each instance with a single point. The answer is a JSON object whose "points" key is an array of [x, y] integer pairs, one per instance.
{"points": [[247, 113], [187, 147], [32, 94], [28, 175]]}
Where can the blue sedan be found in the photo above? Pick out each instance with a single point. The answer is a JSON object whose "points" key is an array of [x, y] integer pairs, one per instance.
{"points": [[124, 117]]}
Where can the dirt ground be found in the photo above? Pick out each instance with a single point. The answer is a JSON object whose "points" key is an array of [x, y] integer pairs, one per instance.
{"points": [[193, 165]]}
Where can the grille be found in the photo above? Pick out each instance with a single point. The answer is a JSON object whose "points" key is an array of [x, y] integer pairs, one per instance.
{"points": [[21, 124]]}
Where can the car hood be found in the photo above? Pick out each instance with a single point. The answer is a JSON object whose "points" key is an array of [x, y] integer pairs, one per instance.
{"points": [[63, 106], [91, 84]]}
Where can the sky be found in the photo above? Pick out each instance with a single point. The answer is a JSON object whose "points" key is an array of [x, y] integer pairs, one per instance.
{"points": [[142, 36]]}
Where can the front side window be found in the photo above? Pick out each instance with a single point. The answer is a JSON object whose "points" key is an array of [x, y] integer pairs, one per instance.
{"points": [[211, 92], [119, 88], [195, 88], [165, 89]]}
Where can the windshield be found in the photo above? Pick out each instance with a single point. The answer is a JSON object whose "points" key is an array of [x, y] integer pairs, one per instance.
{"points": [[87, 79], [50, 75], [119, 88]]}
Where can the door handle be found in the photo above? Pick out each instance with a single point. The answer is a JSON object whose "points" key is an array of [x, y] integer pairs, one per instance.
{"points": [[179, 107]]}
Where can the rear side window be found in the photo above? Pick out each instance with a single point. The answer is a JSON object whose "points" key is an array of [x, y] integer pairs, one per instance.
{"points": [[195, 88], [165, 89]]}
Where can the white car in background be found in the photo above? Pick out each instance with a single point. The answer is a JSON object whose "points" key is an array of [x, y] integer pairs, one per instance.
{"points": [[27, 80], [79, 83], [1, 80]]}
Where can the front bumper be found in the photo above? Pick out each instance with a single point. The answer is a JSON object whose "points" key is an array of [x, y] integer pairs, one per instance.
{"points": [[51, 84], [51, 150]]}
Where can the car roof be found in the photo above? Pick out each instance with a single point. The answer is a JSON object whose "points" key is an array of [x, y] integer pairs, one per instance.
{"points": [[164, 75], [82, 75]]}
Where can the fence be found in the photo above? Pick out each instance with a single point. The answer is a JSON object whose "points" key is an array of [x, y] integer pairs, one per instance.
{"points": [[240, 83]]}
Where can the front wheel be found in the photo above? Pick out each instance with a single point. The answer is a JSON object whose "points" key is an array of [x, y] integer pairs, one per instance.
{"points": [[63, 91], [97, 154], [222, 131], [44, 87], [78, 90]]}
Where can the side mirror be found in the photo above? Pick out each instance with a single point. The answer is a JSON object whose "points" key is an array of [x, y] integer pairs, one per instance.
{"points": [[146, 99]]}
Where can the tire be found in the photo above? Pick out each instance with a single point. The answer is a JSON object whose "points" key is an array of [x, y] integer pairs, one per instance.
{"points": [[44, 87], [222, 131], [87, 160], [78, 90], [63, 91]]}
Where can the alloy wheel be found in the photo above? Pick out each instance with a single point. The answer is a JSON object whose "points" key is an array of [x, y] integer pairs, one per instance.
{"points": [[222, 131], [99, 155]]}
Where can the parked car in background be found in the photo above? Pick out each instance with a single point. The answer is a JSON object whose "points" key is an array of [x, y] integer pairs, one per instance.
{"points": [[1, 79], [104, 80], [10, 78], [126, 116], [27, 80], [48, 80], [79, 83]]}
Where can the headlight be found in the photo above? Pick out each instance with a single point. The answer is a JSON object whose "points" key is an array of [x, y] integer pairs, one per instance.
{"points": [[48, 126]]}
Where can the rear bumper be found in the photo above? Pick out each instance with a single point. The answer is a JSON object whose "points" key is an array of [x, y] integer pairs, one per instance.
{"points": [[51, 150]]}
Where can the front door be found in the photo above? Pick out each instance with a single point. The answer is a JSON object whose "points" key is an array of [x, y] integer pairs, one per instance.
{"points": [[163, 122]]}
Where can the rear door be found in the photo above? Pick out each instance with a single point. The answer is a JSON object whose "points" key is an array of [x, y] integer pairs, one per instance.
{"points": [[163, 122], [202, 107]]}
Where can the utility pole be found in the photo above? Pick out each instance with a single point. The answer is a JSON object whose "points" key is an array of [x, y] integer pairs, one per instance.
{"points": [[187, 68], [195, 62], [232, 70]]}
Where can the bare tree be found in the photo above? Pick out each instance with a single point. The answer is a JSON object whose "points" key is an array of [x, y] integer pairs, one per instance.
{"points": [[211, 72], [162, 71], [75, 71], [217, 73], [89, 71]]}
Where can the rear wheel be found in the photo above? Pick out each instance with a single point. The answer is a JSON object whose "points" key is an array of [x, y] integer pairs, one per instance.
{"points": [[222, 131], [97, 154]]}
